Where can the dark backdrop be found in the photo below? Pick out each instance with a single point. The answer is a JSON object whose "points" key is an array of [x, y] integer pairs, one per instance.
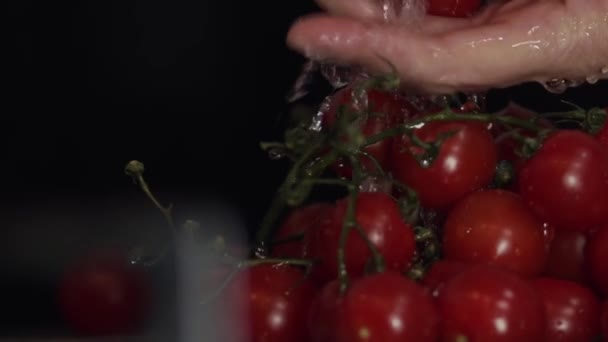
{"points": [[188, 87]]}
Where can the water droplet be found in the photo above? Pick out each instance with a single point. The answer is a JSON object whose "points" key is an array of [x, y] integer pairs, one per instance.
{"points": [[556, 86], [359, 99], [276, 153], [317, 119], [477, 99], [593, 79], [425, 163]]}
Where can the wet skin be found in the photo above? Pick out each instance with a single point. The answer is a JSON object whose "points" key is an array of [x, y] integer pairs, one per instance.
{"points": [[505, 44]]}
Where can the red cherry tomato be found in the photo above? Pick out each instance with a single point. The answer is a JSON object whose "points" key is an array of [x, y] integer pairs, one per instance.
{"points": [[488, 304], [495, 227], [299, 221], [566, 258], [466, 162], [388, 307], [324, 314], [380, 219], [566, 181], [453, 8], [103, 295], [572, 311], [596, 259], [605, 321], [387, 109], [267, 303], [440, 272]]}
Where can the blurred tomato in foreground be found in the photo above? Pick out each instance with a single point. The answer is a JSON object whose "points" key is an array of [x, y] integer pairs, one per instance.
{"points": [[103, 295]]}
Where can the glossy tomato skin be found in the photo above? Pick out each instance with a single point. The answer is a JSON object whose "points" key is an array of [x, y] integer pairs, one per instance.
{"points": [[466, 162], [484, 303], [605, 321], [572, 311], [325, 313], [379, 217], [299, 221], [596, 259], [103, 295], [388, 108], [453, 8], [440, 272], [566, 258], [267, 302], [566, 181], [388, 307], [495, 227]]}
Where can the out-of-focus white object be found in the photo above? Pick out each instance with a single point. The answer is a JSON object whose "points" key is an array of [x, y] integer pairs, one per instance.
{"points": [[199, 321]]}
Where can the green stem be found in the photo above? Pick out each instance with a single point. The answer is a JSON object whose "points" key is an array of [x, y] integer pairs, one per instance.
{"points": [[166, 211], [279, 204], [347, 224], [251, 263], [376, 255], [448, 115], [573, 114]]}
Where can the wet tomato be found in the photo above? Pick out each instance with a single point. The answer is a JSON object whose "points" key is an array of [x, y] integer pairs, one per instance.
{"points": [[293, 228], [440, 272], [596, 256], [566, 181], [384, 110], [386, 307], [466, 161], [267, 302], [495, 227], [566, 258], [605, 321], [453, 8], [103, 295], [379, 218], [484, 303], [572, 311]]}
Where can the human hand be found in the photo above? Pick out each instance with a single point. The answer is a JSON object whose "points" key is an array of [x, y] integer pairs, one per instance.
{"points": [[557, 43]]}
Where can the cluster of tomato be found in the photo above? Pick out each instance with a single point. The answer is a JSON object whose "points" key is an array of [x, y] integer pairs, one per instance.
{"points": [[485, 258]]}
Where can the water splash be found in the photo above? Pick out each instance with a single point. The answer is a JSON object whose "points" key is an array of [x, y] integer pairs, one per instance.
{"points": [[339, 76], [303, 81], [316, 123], [375, 184]]}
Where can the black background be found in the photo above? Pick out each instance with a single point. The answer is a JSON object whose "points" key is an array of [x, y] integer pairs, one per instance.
{"points": [[188, 87]]}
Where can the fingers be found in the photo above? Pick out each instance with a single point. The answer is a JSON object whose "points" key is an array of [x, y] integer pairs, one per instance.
{"points": [[465, 59], [366, 10]]}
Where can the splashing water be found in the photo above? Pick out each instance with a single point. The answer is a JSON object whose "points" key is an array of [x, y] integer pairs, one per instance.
{"points": [[560, 85], [303, 81], [317, 119], [339, 76]]}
